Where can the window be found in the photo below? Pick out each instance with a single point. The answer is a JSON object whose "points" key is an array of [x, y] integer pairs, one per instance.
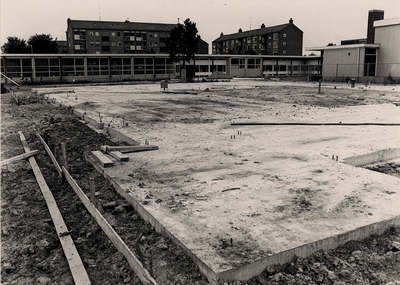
{"points": [[105, 48], [203, 68], [47, 67], [155, 35], [119, 44], [91, 33], [254, 39], [276, 36], [97, 43], [267, 67], [97, 33], [284, 52], [113, 44], [105, 38], [113, 34], [234, 63], [91, 43], [138, 66], [254, 63], [118, 34], [221, 68], [73, 67], [149, 65], [284, 35], [242, 63], [284, 44]]}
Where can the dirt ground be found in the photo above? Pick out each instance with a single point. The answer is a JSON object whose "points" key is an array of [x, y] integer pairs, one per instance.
{"points": [[31, 252]]}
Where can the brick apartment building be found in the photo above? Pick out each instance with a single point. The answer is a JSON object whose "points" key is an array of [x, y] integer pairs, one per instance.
{"points": [[104, 37], [285, 39]]}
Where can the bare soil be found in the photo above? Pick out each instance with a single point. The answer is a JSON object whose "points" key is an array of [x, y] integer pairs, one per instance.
{"points": [[30, 249]]}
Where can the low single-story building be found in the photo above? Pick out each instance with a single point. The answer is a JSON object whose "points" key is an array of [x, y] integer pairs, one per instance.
{"points": [[377, 62]]}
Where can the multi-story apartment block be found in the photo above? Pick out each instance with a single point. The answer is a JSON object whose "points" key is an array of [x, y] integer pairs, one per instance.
{"points": [[286, 39], [97, 37]]}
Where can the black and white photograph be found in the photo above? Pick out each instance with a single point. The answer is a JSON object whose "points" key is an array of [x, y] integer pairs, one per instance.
{"points": [[187, 142]]}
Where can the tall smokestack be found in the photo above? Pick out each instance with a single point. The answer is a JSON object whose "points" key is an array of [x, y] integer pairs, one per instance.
{"points": [[374, 15]]}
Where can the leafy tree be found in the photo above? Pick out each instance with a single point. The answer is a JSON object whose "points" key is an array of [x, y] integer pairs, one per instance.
{"points": [[15, 45], [43, 43], [183, 42]]}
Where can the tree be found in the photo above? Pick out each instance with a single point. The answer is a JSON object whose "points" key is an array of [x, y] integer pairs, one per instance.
{"points": [[15, 45], [43, 44], [183, 42]]}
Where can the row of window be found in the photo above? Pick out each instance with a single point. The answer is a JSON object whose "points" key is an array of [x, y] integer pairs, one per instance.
{"points": [[250, 40], [48, 67]]}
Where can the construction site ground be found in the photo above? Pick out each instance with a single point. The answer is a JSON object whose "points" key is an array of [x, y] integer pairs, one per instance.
{"points": [[231, 194]]}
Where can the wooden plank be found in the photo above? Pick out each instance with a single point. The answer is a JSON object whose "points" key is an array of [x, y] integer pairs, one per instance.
{"points": [[135, 264], [104, 160], [313, 124], [78, 271], [19, 157], [131, 148], [53, 159], [119, 156]]}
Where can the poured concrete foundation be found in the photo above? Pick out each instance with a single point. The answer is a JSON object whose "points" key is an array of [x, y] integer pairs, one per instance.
{"points": [[240, 198]]}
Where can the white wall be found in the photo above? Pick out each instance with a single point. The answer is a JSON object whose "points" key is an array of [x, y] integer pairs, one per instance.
{"points": [[389, 52], [343, 62]]}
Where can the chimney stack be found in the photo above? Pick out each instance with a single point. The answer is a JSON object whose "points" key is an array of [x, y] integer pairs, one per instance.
{"points": [[373, 15], [240, 30], [291, 21]]}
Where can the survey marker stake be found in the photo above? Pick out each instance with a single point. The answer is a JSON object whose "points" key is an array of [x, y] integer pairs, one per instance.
{"points": [[92, 191], [64, 155]]}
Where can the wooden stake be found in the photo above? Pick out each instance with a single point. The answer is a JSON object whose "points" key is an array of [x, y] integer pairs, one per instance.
{"points": [[134, 263], [319, 87], [64, 155], [92, 191], [78, 271], [57, 155], [162, 278]]}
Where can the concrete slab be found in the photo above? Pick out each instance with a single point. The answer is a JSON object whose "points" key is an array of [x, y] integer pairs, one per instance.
{"points": [[286, 195]]}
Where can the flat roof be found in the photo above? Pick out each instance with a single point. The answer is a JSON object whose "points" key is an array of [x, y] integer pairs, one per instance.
{"points": [[342, 47], [387, 22]]}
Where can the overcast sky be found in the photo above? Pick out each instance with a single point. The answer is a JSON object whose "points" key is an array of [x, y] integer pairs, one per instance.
{"points": [[322, 21]]}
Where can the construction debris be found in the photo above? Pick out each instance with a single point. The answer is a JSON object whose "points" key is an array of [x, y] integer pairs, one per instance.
{"points": [[19, 157], [104, 160], [131, 148]]}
